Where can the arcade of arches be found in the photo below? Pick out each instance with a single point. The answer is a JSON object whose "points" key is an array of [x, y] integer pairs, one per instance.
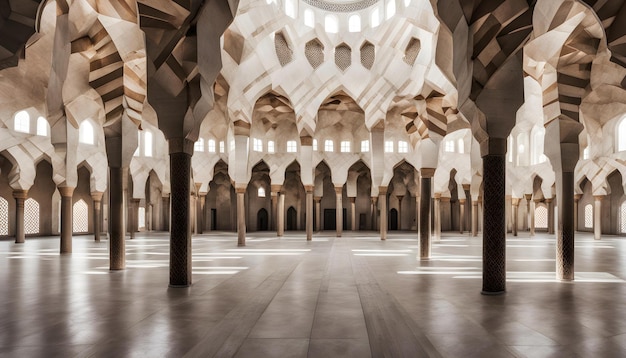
{"points": [[487, 118]]}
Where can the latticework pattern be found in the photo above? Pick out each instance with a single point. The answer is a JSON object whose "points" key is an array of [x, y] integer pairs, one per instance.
{"points": [[283, 52], [368, 55], [622, 218], [343, 56], [141, 217], [588, 216], [412, 50], [541, 217], [80, 217], [314, 52], [4, 216], [31, 216]]}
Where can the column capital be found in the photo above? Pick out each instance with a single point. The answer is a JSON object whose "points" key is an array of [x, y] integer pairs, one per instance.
{"points": [[240, 190], [577, 196], [598, 197], [180, 145], [515, 201], [306, 140], [374, 199], [462, 201], [548, 200], [338, 189], [475, 202], [97, 195], [400, 197], [309, 188], [20, 194], [66, 190], [241, 128], [427, 172], [528, 196], [444, 199], [437, 196], [382, 190], [317, 198], [275, 188], [466, 187], [135, 200], [352, 199]]}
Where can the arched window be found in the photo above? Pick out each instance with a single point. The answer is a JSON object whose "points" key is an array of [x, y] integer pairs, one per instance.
{"points": [[22, 122], [522, 149], [537, 145], [309, 18], [588, 216], [391, 8], [388, 146], [292, 146], [407, 3], [141, 218], [365, 146], [270, 146], [621, 135], [622, 218], [198, 146], [222, 146], [541, 217], [509, 153], [211, 146], [147, 144], [80, 217], [257, 145], [375, 18], [345, 146], [403, 147], [314, 144], [31, 216], [86, 133], [328, 146], [331, 24], [449, 146], [461, 145], [354, 23], [4, 216], [290, 8], [261, 192], [42, 126]]}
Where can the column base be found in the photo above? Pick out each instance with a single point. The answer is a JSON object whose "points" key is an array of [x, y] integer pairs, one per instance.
{"points": [[488, 293], [179, 286], [241, 245]]}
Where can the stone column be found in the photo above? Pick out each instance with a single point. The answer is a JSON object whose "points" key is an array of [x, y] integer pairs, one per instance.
{"points": [[550, 215], [528, 198], [202, 213], [275, 190], [96, 196], [280, 219], [20, 196], [353, 213], [67, 224], [318, 213], [597, 217], [180, 228], [515, 205], [117, 222], [508, 215], [576, 199], [468, 200], [166, 213], [533, 207], [437, 218], [400, 197], [134, 209], [309, 212], [241, 216], [425, 194], [382, 201], [417, 213], [374, 216], [565, 236], [475, 218], [461, 215], [339, 209], [494, 228], [197, 213]]}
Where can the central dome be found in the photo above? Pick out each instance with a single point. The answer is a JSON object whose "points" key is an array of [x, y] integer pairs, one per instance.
{"points": [[341, 5]]}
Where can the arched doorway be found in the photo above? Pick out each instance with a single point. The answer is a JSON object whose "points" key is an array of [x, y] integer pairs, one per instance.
{"points": [[393, 219], [292, 219], [262, 220]]}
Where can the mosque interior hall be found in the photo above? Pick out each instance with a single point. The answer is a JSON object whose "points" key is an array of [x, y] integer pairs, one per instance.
{"points": [[312, 178]]}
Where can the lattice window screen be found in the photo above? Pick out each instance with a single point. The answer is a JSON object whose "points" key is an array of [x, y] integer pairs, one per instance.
{"points": [[31, 216], [141, 218], [588, 216], [4, 216], [284, 53], [541, 217], [412, 50], [343, 56], [368, 55], [80, 217], [314, 52]]}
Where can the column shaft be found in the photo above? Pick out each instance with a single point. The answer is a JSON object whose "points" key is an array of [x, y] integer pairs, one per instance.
{"points": [[400, 211], [20, 196], [180, 226], [474, 218], [97, 212], [134, 217], [461, 215], [494, 227], [339, 209], [241, 217], [382, 202], [66, 219], [425, 235], [565, 236], [166, 213], [353, 214], [117, 230], [309, 213], [437, 218], [515, 204], [597, 217], [318, 214], [280, 215], [374, 213], [532, 218], [201, 213], [550, 216]]}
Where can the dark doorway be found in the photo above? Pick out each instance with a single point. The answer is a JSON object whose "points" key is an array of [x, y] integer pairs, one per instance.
{"points": [[213, 219], [362, 222], [330, 219], [393, 219], [292, 219], [262, 219]]}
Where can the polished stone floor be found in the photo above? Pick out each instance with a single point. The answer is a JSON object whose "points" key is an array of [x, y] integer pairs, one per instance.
{"points": [[353, 296]]}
